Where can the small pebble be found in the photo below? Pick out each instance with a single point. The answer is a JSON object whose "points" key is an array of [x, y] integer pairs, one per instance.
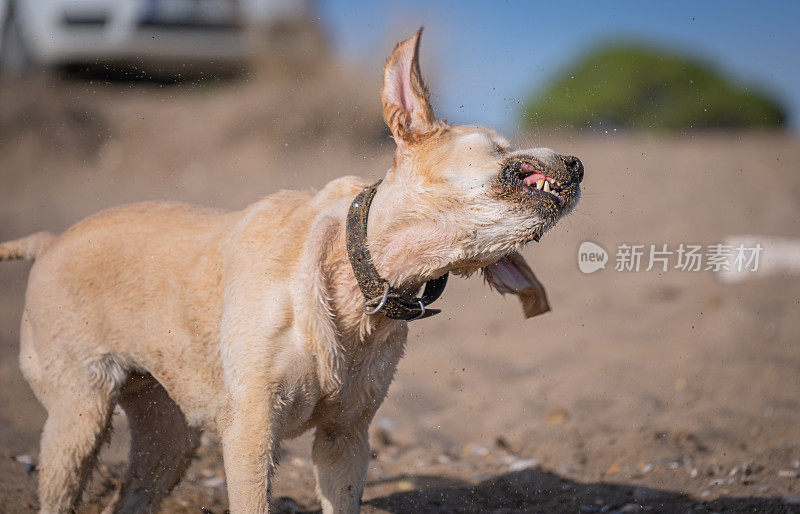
{"points": [[27, 460], [519, 465], [405, 485], [479, 450], [24, 459], [214, 482]]}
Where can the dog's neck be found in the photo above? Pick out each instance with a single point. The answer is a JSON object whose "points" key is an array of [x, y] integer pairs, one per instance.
{"points": [[403, 251], [406, 248]]}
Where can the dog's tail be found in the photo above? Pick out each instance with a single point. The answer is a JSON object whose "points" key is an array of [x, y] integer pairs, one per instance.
{"points": [[27, 247]]}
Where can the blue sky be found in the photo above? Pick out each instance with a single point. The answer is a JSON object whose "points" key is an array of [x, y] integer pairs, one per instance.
{"points": [[481, 59]]}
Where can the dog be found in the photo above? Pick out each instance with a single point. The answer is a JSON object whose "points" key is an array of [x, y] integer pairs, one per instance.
{"points": [[287, 316]]}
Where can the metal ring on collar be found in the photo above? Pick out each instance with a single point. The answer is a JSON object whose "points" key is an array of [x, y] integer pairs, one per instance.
{"points": [[422, 310], [380, 299]]}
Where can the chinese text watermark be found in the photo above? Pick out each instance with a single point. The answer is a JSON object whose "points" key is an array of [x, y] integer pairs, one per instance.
{"points": [[663, 257]]}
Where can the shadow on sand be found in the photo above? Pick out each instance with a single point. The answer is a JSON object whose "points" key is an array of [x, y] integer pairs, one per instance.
{"points": [[535, 490]]}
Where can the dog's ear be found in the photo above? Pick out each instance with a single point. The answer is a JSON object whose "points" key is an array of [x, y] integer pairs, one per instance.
{"points": [[511, 274], [406, 104]]}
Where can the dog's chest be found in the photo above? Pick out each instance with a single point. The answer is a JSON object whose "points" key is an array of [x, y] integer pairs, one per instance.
{"points": [[367, 371]]}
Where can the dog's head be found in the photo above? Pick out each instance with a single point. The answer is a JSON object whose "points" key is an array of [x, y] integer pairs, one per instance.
{"points": [[460, 196]]}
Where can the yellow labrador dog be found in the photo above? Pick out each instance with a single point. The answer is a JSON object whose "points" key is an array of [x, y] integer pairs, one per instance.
{"points": [[288, 316]]}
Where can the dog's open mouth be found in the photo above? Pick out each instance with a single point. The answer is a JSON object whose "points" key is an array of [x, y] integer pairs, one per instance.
{"points": [[536, 182], [551, 189]]}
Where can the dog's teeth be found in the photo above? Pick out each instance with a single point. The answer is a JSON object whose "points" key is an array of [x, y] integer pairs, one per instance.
{"points": [[539, 183], [546, 187]]}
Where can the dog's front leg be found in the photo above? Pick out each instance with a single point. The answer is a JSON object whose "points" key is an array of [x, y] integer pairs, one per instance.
{"points": [[341, 457], [250, 445]]}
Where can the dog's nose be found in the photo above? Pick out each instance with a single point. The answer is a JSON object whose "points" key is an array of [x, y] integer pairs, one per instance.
{"points": [[574, 166]]}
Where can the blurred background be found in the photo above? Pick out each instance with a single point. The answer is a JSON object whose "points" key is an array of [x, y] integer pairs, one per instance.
{"points": [[661, 390]]}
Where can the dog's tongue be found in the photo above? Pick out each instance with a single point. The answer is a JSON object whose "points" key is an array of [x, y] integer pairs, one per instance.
{"points": [[534, 174], [530, 180]]}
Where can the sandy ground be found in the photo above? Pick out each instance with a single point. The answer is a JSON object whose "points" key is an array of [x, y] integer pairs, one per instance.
{"points": [[650, 391]]}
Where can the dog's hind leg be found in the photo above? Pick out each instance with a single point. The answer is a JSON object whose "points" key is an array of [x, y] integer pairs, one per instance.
{"points": [[162, 445], [79, 402]]}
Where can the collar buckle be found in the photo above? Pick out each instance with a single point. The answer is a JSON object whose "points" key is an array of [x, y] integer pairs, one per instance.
{"points": [[380, 300]]}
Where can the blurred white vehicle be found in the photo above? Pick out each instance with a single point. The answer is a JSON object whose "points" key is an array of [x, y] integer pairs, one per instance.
{"points": [[154, 34]]}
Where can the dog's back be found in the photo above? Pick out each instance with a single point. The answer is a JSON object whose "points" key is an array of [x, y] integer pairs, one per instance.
{"points": [[108, 287]]}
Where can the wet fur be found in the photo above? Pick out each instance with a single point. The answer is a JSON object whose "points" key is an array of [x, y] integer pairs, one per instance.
{"points": [[250, 323]]}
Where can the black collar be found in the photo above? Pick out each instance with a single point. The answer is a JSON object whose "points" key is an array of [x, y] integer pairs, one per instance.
{"points": [[379, 295]]}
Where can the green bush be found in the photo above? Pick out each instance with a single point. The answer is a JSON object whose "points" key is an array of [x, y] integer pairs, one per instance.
{"points": [[639, 87]]}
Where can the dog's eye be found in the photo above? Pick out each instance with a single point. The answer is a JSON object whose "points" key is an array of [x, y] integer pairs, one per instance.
{"points": [[499, 149]]}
